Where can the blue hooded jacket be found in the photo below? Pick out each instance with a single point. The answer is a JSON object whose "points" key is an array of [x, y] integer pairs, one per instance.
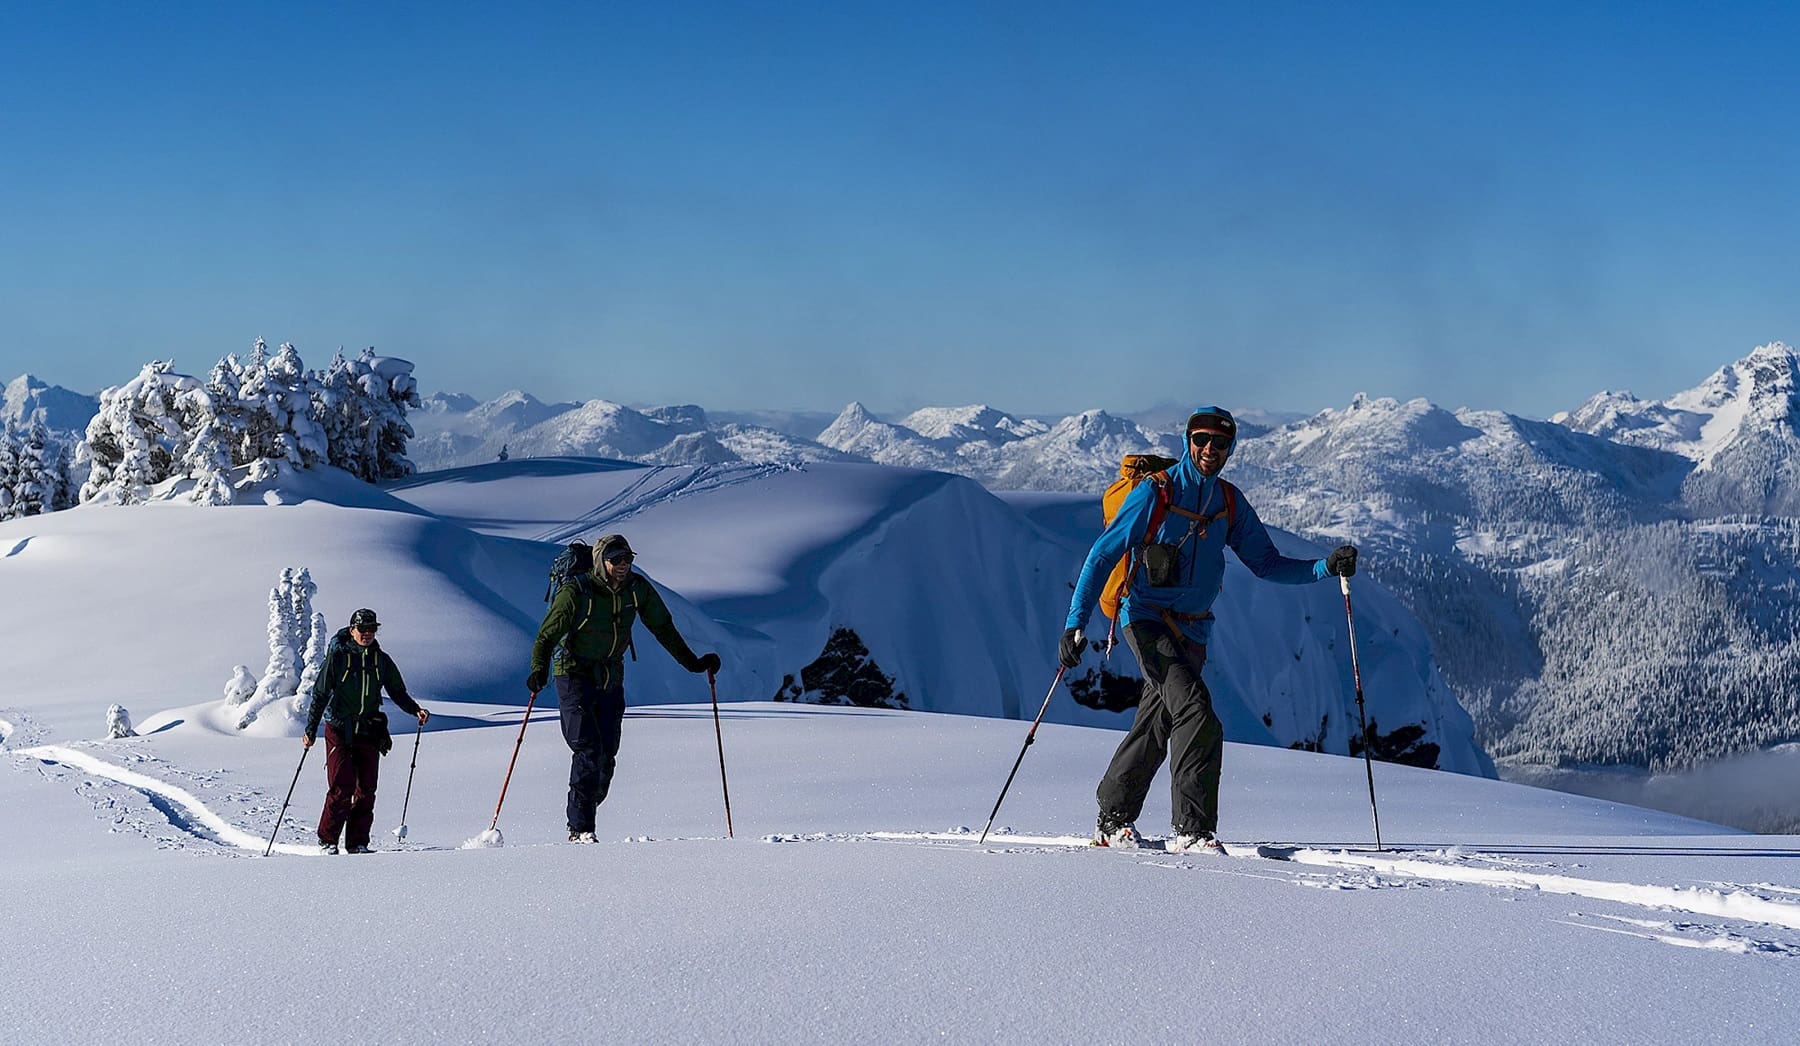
{"points": [[1201, 563]]}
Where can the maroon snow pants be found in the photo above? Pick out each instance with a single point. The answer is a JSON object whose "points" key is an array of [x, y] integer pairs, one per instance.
{"points": [[350, 773]]}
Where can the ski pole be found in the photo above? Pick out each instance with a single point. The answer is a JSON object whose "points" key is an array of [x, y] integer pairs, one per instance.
{"points": [[720, 734], [513, 761], [1030, 736], [284, 803], [1356, 673], [400, 832]]}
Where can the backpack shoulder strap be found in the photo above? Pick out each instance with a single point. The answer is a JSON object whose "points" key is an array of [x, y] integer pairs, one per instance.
{"points": [[1160, 505]]}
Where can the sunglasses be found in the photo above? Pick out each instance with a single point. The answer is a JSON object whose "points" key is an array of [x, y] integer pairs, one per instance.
{"points": [[625, 557], [367, 630], [1210, 439]]}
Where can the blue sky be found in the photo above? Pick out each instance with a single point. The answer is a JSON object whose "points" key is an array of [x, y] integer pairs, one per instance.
{"points": [[1039, 206]]}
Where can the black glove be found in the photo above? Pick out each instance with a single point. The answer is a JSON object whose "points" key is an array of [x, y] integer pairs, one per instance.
{"points": [[536, 680], [1069, 650], [1342, 561], [708, 663]]}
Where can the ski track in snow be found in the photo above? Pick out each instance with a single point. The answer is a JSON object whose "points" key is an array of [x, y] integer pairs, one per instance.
{"points": [[183, 809], [1363, 871], [655, 487], [1739, 904]]}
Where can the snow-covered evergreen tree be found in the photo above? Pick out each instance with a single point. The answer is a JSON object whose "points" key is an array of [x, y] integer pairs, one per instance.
{"points": [[241, 687], [282, 675], [118, 722], [278, 424], [314, 659], [134, 438], [9, 469], [34, 479], [344, 410], [362, 405], [391, 387], [209, 430], [300, 620], [66, 494]]}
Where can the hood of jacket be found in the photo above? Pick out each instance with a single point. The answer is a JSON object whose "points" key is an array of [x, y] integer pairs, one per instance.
{"points": [[602, 548]]}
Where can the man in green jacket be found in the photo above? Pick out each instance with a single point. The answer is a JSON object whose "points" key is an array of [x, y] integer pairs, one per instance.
{"points": [[347, 696], [589, 629]]}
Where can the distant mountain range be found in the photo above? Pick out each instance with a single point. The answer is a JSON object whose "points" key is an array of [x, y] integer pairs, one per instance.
{"points": [[1004, 451]]}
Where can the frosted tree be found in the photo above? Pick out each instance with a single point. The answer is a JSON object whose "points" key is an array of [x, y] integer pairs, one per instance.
{"points": [[314, 659], [281, 677], [206, 449], [277, 410], [362, 405], [300, 622], [343, 408], [65, 493], [133, 440], [393, 390], [118, 722], [9, 470], [241, 687], [34, 480]]}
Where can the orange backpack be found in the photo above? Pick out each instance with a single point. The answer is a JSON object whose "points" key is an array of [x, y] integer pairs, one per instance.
{"points": [[1134, 469]]}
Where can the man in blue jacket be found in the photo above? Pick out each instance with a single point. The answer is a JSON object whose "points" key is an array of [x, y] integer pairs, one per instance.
{"points": [[1165, 613]]}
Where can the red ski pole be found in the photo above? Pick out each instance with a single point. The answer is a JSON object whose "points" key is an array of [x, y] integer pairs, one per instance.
{"points": [[512, 762]]}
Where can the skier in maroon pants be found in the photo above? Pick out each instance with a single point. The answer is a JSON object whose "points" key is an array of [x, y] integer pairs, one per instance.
{"points": [[347, 695]]}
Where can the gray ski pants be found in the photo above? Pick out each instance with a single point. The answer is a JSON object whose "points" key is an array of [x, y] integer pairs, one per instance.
{"points": [[1175, 720]]}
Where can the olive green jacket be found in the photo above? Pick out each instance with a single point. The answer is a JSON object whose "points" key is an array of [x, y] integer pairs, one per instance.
{"points": [[589, 629]]}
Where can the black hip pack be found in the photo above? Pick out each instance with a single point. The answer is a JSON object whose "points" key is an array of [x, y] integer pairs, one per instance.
{"points": [[371, 729]]}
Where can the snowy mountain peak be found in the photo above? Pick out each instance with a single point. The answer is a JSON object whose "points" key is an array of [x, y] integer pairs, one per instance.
{"points": [[514, 410], [448, 403], [970, 424], [58, 408], [1370, 425], [856, 431], [1749, 402]]}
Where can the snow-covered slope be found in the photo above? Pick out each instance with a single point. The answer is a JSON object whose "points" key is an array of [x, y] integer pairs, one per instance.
{"points": [[854, 905]]}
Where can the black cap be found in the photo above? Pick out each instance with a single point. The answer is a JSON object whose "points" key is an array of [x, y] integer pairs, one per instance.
{"points": [[364, 619], [1213, 419]]}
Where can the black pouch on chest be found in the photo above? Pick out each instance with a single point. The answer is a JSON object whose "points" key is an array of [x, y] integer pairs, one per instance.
{"points": [[1162, 564]]}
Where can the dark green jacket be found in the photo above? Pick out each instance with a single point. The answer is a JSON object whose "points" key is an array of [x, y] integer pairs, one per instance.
{"points": [[350, 682], [592, 623]]}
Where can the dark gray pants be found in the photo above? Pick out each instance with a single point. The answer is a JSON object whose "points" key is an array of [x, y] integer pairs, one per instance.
{"points": [[1175, 720]]}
